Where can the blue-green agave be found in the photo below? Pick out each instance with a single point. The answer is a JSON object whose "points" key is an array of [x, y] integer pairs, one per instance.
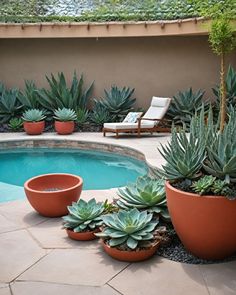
{"points": [[129, 228], [84, 215]]}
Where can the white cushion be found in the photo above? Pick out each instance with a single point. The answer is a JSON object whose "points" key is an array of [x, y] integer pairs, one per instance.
{"points": [[160, 101], [132, 117], [122, 125]]}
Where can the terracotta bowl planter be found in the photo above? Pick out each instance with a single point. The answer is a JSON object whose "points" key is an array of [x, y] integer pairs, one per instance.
{"points": [[64, 127], [204, 224], [34, 128], [81, 236], [130, 256], [50, 194]]}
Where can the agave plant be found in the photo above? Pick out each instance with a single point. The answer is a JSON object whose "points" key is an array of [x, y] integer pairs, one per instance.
{"points": [[65, 115], [130, 228], [100, 115], [230, 90], [118, 102], [82, 116], [185, 105], [33, 115], [84, 216], [146, 194], [10, 105], [30, 97], [15, 124], [61, 95]]}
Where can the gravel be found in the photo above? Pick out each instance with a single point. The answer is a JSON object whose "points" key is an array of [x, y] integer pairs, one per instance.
{"points": [[175, 251]]}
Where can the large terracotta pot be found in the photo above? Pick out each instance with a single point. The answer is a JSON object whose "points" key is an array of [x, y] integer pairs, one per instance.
{"points": [[50, 194], [81, 236], [64, 127], [34, 128], [206, 225], [130, 256]]}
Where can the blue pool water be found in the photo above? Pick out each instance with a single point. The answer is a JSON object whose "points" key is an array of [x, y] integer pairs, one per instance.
{"points": [[99, 170]]}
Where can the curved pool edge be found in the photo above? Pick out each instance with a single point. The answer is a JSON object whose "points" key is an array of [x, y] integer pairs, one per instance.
{"points": [[95, 142]]}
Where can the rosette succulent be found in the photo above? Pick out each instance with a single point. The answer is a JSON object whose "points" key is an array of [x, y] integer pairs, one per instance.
{"points": [[84, 216], [130, 228], [65, 115], [33, 115], [146, 194]]}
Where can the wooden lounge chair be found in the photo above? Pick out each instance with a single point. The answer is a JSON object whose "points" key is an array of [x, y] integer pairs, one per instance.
{"points": [[152, 121]]}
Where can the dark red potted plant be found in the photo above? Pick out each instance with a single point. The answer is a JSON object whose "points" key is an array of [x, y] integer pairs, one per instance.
{"points": [[34, 123], [64, 121]]}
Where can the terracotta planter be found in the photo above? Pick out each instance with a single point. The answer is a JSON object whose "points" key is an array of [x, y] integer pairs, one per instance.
{"points": [[130, 256], [64, 127], [34, 128], [204, 224], [50, 194], [81, 236]]}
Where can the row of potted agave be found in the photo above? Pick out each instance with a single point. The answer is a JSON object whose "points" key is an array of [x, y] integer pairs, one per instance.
{"points": [[34, 121]]}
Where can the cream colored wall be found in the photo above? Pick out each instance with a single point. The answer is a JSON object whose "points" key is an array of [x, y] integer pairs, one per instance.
{"points": [[157, 66]]}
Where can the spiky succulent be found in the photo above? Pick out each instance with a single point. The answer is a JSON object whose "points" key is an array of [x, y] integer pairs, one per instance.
{"points": [[33, 115], [10, 105], [65, 115], [129, 228], [100, 115], [118, 102], [203, 185], [84, 215], [82, 116], [221, 155], [15, 124], [146, 194], [184, 105]]}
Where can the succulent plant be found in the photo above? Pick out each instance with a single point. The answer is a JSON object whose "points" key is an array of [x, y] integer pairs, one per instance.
{"points": [[146, 194], [128, 227], [184, 105], [15, 124], [10, 105], [29, 97], [203, 185], [61, 95], [100, 115], [82, 116], [33, 115], [84, 216], [219, 186], [221, 154], [118, 102], [65, 115]]}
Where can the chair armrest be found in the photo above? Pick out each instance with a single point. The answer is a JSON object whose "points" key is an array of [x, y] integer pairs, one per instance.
{"points": [[148, 119]]}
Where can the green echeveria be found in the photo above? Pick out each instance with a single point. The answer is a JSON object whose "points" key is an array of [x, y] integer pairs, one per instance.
{"points": [[128, 228]]}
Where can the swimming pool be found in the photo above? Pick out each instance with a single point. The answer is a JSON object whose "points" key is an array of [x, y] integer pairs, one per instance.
{"points": [[99, 170]]}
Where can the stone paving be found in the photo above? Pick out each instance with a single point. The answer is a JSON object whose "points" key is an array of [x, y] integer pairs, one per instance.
{"points": [[37, 258]]}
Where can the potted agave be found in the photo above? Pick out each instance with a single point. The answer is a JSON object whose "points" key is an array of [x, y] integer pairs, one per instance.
{"points": [[129, 235], [146, 194], [64, 120], [84, 219], [201, 186], [34, 123]]}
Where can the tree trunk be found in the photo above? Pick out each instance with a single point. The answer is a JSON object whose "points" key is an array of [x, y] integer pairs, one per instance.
{"points": [[222, 93]]}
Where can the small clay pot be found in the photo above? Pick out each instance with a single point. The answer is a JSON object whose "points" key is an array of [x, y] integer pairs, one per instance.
{"points": [[34, 128], [50, 194], [204, 224], [130, 256], [64, 128], [81, 236]]}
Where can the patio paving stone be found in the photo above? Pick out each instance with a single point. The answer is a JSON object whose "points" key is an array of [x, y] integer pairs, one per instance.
{"points": [[18, 251], [50, 234], [38, 288], [5, 290], [7, 225], [160, 276], [220, 278], [76, 267]]}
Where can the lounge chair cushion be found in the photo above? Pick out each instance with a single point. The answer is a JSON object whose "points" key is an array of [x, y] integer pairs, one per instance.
{"points": [[123, 125], [132, 117]]}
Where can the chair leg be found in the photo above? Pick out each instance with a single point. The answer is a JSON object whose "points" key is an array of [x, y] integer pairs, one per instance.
{"points": [[117, 134], [104, 132]]}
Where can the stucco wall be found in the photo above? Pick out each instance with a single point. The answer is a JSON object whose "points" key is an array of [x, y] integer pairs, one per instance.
{"points": [[157, 66]]}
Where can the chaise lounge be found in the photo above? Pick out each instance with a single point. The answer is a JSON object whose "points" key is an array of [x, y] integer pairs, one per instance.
{"points": [[152, 121]]}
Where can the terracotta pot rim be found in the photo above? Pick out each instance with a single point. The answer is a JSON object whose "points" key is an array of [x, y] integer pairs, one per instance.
{"points": [[80, 182], [82, 232], [132, 251], [192, 194], [64, 121], [34, 122]]}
